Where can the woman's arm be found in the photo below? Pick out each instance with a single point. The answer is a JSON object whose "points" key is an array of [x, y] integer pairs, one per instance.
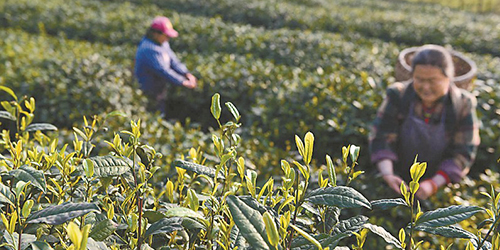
{"points": [[465, 141]]}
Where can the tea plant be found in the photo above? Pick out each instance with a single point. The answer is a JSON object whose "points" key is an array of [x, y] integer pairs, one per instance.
{"points": [[53, 198]]}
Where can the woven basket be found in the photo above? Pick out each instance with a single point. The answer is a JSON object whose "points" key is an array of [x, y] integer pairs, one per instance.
{"points": [[465, 69]]}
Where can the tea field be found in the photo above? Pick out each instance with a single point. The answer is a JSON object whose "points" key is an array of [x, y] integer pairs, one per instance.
{"points": [[287, 66]]}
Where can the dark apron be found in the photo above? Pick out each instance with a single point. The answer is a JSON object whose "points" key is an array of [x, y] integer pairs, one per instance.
{"points": [[427, 140]]}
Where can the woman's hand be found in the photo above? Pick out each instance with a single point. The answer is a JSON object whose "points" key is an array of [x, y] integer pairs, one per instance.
{"points": [[426, 189], [385, 167], [394, 182]]}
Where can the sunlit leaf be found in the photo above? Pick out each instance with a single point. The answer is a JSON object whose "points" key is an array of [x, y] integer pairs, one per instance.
{"points": [[233, 110], [9, 91], [215, 107]]}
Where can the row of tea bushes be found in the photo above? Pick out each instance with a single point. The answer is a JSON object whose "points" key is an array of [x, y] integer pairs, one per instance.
{"points": [[71, 79], [314, 76], [112, 23], [399, 22]]}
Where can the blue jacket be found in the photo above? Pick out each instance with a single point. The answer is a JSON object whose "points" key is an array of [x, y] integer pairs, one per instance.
{"points": [[155, 65]]}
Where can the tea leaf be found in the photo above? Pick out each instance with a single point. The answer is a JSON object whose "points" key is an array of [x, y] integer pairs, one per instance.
{"points": [[387, 203], [353, 224], [92, 244], [26, 240], [354, 152], [447, 216], [414, 186], [170, 191], [80, 133], [7, 115], [380, 231], [271, 229], [484, 222], [307, 236], [27, 208], [9, 91], [40, 127], [108, 166], [300, 146], [237, 240], [331, 171], [40, 245], [301, 243], [29, 174], [6, 196], [402, 236], [308, 144], [252, 203], [191, 224], [447, 231], [153, 216], [284, 203], [103, 230], [250, 222], [417, 170], [197, 168], [58, 214], [182, 212], [340, 196], [165, 225], [486, 245], [215, 107], [194, 202], [88, 167], [303, 169], [233, 110]]}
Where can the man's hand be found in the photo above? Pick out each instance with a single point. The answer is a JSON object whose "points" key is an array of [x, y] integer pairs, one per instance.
{"points": [[191, 78], [394, 182], [189, 84]]}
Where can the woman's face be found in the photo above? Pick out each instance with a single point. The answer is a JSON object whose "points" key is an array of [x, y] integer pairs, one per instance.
{"points": [[430, 83]]}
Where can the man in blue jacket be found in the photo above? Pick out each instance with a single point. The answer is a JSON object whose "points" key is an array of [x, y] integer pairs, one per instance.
{"points": [[156, 65]]}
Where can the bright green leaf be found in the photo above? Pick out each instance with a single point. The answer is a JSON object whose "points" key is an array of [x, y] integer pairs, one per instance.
{"points": [[215, 107]]}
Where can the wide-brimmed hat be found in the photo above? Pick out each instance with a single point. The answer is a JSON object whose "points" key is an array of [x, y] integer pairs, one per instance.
{"points": [[163, 24]]}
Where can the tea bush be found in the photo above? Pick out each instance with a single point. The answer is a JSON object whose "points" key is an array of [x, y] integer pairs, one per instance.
{"points": [[274, 68], [283, 68], [64, 198]]}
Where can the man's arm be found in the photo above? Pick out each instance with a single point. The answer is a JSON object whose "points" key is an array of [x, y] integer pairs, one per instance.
{"points": [[160, 65], [175, 63]]}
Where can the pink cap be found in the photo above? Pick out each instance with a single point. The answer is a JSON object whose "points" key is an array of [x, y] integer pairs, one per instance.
{"points": [[164, 25]]}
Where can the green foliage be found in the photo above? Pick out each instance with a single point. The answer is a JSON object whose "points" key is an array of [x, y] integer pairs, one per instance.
{"points": [[111, 197], [290, 66], [267, 61]]}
